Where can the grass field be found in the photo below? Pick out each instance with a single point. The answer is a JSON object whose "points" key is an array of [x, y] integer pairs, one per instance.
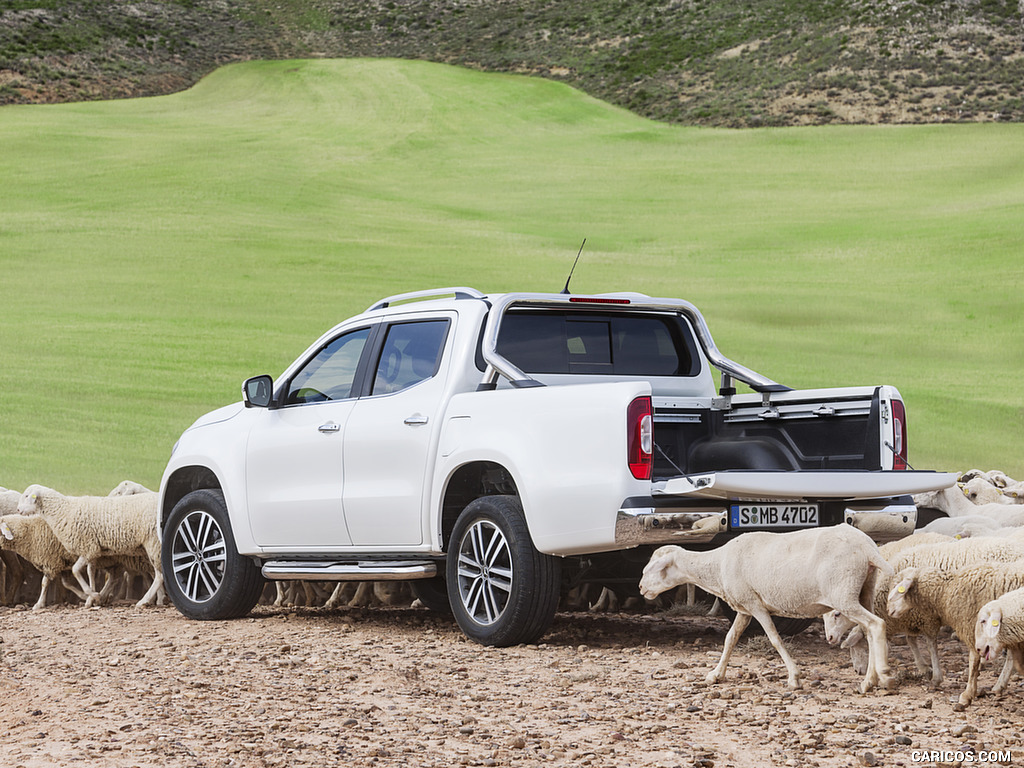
{"points": [[155, 252]]}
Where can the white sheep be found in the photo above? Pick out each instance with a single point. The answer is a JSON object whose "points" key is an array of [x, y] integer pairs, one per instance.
{"points": [[948, 554], [93, 527], [129, 488], [999, 627], [994, 476], [962, 527], [799, 574], [9, 501], [32, 539], [953, 502], [954, 597], [978, 490], [837, 625]]}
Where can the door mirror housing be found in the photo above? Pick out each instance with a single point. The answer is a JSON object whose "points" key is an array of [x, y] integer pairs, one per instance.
{"points": [[258, 391]]}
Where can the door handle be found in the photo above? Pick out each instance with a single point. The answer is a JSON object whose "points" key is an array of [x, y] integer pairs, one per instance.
{"points": [[329, 427], [415, 420]]}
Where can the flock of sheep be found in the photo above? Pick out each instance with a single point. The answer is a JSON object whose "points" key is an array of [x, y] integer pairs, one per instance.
{"points": [[964, 571], [45, 537]]}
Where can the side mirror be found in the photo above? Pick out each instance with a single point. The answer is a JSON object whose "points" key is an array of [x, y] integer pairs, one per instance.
{"points": [[257, 391]]}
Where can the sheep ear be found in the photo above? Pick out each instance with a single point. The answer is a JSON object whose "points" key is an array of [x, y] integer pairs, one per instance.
{"points": [[991, 628], [902, 587], [5, 529]]}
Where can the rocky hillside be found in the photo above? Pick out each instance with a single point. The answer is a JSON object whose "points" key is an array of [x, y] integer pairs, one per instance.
{"points": [[707, 62]]}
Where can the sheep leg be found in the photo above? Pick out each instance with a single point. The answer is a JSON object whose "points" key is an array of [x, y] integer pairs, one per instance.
{"points": [[765, 620], [364, 595], [86, 584], [337, 596], [691, 594], [154, 589], [41, 602], [919, 663], [878, 646], [933, 651], [78, 593], [1004, 675], [970, 693], [732, 637], [859, 657]]}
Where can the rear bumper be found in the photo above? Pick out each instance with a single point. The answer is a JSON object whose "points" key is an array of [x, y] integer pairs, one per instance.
{"points": [[637, 525]]}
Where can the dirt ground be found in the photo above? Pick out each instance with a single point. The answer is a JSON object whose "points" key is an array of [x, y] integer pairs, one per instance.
{"points": [[121, 687]]}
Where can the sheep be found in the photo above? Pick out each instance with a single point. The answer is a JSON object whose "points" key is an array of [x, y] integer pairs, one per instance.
{"points": [[954, 597], [837, 625], [953, 502], [948, 554], [32, 539], [980, 491], [993, 476], [1000, 626], [128, 488], [13, 572], [796, 574], [962, 527], [9, 501], [92, 527]]}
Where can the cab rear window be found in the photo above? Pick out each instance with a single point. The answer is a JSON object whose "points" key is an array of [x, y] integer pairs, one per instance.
{"points": [[540, 342]]}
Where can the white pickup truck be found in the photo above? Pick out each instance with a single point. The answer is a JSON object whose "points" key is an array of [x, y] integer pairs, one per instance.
{"points": [[496, 450]]}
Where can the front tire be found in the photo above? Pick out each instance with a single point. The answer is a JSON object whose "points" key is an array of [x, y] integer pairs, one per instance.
{"points": [[502, 591], [204, 575]]}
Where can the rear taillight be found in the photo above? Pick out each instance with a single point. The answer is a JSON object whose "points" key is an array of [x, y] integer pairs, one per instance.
{"points": [[899, 435], [640, 437]]}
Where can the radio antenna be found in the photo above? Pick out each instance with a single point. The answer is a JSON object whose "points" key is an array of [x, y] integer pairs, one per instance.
{"points": [[566, 289]]}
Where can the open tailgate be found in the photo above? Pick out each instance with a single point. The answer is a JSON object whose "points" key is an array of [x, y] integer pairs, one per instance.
{"points": [[804, 484]]}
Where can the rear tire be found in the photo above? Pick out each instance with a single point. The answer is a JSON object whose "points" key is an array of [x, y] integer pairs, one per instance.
{"points": [[502, 591], [204, 575]]}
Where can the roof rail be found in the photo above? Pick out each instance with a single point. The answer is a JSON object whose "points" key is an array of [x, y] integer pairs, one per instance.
{"points": [[434, 293]]}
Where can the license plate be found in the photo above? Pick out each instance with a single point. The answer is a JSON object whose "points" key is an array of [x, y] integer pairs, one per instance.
{"points": [[773, 515]]}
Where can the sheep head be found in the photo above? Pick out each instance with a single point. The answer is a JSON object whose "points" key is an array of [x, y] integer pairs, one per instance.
{"points": [[897, 603], [661, 572], [836, 625], [986, 631], [29, 503]]}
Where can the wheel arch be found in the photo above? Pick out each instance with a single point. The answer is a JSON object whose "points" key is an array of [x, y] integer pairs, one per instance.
{"points": [[471, 481], [181, 483]]}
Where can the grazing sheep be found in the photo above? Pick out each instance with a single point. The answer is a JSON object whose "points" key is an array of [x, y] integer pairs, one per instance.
{"points": [[954, 597], [953, 502], [92, 527], [32, 539], [999, 627], [798, 574]]}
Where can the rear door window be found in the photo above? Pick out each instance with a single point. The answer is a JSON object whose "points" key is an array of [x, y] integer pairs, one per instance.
{"points": [[540, 342]]}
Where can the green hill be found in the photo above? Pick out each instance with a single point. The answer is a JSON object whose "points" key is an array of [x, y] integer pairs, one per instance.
{"points": [[698, 62], [155, 252]]}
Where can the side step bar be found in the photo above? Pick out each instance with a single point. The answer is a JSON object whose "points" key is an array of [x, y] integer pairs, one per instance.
{"points": [[367, 570]]}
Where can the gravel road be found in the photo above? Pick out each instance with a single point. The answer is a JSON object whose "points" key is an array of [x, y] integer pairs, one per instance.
{"points": [[122, 687]]}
